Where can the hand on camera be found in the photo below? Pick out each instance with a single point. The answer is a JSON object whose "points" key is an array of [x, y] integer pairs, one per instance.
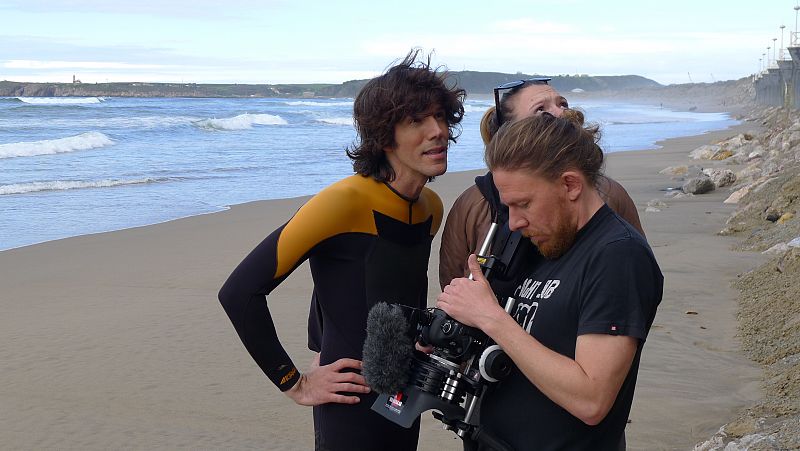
{"points": [[427, 349], [471, 302], [324, 384]]}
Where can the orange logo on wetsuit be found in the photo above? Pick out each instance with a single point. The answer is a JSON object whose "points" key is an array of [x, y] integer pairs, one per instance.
{"points": [[288, 376]]}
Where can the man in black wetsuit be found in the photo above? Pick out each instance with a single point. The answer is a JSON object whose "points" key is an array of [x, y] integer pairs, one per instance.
{"points": [[585, 301], [367, 238]]}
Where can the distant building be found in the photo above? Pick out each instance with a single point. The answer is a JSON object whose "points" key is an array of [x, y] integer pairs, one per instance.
{"points": [[75, 80]]}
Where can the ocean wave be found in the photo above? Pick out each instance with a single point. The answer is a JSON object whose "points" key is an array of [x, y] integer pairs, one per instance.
{"points": [[336, 120], [84, 141], [475, 108], [145, 122], [61, 100], [643, 121], [71, 123], [62, 185], [312, 103], [240, 122]]}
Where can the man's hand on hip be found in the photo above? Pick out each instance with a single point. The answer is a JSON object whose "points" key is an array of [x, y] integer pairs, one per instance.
{"points": [[324, 384]]}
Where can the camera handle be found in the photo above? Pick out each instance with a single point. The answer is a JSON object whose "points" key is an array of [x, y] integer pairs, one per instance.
{"points": [[486, 265], [472, 434], [487, 243], [492, 356]]}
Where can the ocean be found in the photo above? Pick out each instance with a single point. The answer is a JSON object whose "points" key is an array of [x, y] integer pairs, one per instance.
{"points": [[76, 166]]}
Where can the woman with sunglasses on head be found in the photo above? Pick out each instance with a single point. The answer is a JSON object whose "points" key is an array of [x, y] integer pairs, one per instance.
{"points": [[471, 214]]}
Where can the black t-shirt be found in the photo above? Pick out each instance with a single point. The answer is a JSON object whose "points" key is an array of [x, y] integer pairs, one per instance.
{"points": [[608, 282]]}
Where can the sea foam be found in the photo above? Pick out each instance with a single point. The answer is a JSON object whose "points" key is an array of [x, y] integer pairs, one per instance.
{"points": [[240, 122], [71, 122], [84, 141], [60, 185], [475, 108], [311, 103], [336, 120], [60, 100]]}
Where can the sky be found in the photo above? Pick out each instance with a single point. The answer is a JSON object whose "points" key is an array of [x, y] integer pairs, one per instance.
{"points": [[332, 41]]}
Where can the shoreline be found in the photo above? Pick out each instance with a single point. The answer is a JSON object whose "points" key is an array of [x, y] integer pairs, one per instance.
{"points": [[119, 334], [657, 145]]}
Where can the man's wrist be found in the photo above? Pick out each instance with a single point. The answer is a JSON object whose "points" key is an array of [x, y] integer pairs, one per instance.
{"points": [[289, 380], [495, 321]]}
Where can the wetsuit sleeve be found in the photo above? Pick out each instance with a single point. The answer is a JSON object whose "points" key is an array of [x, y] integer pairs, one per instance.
{"points": [[243, 296], [622, 290], [467, 223], [615, 195]]}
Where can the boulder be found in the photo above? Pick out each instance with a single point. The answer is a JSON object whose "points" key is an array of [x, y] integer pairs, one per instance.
{"points": [[722, 155], [737, 195], [783, 202], [720, 177], [771, 214], [698, 185], [738, 140], [777, 249], [756, 153], [771, 167], [752, 171], [704, 152], [675, 170], [793, 139], [786, 217]]}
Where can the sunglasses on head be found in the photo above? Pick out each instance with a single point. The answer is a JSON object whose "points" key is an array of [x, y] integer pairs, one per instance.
{"points": [[512, 85]]}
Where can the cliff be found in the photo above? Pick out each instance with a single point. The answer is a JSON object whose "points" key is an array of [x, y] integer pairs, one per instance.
{"points": [[137, 89], [480, 83]]}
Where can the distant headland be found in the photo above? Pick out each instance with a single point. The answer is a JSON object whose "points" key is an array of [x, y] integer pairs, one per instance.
{"points": [[473, 82]]}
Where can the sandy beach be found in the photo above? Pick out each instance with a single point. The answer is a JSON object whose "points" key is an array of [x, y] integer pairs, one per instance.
{"points": [[117, 340]]}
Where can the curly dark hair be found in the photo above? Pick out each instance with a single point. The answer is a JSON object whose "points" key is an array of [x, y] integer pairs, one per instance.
{"points": [[406, 89]]}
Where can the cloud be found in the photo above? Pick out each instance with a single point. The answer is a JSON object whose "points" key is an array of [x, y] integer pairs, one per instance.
{"points": [[530, 26], [210, 9], [33, 64], [23, 47]]}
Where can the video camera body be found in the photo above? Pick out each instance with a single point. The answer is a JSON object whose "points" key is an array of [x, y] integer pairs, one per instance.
{"points": [[451, 380]]}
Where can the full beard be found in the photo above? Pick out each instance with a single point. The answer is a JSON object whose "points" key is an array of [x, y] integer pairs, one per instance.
{"points": [[561, 240]]}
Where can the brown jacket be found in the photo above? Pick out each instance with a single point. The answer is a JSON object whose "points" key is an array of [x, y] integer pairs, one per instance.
{"points": [[469, 219]]}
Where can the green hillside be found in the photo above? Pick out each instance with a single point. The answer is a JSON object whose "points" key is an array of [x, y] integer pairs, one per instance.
{"points": [[474, 82]]}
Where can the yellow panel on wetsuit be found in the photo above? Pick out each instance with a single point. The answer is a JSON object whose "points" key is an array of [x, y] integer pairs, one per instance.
{"points": [[349, 206]]}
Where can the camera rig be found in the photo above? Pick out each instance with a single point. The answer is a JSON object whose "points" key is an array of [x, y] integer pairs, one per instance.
{"points": [[451, 380]]}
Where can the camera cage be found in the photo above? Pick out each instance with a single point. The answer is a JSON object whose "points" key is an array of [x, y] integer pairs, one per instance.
{"points": [[452, 379]]}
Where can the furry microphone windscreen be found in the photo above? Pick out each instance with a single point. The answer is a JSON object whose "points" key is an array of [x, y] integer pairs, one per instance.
{"points": [[388, 350]]}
